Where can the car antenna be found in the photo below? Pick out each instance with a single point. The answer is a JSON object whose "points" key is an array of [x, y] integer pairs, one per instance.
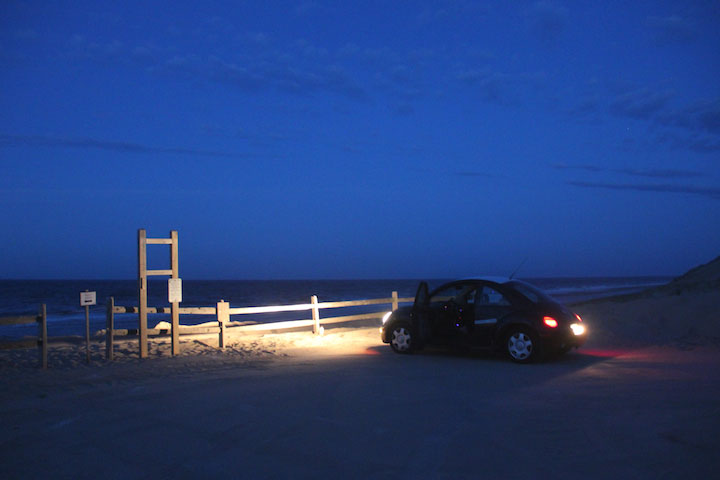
{"points": [[518, 268]]}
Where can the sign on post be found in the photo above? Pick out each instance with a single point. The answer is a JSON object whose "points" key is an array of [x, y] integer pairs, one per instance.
{"points": [[174, 290], [88, 298]]}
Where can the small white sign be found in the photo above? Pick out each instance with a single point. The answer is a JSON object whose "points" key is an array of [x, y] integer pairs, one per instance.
{"points": [[174, 290], [88, 298]]}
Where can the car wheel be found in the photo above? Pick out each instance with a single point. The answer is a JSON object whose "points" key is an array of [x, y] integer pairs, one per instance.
{"points": [[521, 346], [401, 338]]}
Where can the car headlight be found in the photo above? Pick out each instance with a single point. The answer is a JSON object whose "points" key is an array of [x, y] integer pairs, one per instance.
{"points": [[577, 328], [386, 317]]}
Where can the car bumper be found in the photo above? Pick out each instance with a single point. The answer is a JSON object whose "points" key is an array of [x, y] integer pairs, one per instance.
{"points": [[563, 340]]}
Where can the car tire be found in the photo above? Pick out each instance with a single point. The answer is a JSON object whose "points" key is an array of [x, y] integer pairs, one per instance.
{"points": [[522, 345], [402, 337]]}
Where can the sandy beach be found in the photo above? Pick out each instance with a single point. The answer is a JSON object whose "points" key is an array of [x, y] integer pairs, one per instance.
{"points": [[640, 400]]}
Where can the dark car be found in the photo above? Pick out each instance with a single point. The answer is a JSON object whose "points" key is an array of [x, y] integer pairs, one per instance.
{"points": [[506, 315]]}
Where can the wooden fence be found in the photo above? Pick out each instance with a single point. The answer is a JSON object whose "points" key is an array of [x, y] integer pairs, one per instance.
{"points": [[42, 338], [223, 312]]}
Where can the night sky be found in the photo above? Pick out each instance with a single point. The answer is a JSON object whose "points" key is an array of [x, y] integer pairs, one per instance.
{"points": [[388, 139]]}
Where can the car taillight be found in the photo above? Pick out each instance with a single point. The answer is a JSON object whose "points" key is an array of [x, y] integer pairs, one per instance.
{"points": [[578, 317], [550, 322]]}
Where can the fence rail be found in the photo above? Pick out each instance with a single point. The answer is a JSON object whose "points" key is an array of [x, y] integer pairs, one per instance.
{"points": [[20, 320], [42, 338], [223, 312], [267, 309]]}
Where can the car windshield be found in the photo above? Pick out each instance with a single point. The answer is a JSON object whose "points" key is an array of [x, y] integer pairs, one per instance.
{"points": [[534, 294]]}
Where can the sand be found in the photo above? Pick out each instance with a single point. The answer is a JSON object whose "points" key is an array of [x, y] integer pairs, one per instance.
{"points": [[687, 320], [641, 399]]}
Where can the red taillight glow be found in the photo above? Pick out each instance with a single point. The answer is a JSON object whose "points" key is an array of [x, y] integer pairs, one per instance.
{"points": [[550, 322], [578, 317]]}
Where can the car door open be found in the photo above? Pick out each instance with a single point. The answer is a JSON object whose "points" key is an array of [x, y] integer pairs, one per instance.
{"points": [[420, 312]]}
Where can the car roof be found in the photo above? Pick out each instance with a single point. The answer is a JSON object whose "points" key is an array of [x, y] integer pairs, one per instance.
{"points": [[490, 279]]}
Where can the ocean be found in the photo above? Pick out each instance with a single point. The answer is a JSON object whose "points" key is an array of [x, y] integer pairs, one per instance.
{"points": [[66, 316]]}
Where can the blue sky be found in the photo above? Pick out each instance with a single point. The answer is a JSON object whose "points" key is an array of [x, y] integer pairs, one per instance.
{"points": [[360, 139]]}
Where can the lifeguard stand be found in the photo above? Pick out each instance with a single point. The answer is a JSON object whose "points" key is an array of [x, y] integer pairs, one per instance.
{"points": [[143, 274]]}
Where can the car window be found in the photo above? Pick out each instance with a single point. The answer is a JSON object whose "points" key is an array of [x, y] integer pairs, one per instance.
{"points": [[528, 291], [457, 293], [470, 296], [489, 296]]}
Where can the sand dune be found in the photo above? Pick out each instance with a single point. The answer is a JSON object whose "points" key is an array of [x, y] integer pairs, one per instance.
{"points": [[684, 313]]}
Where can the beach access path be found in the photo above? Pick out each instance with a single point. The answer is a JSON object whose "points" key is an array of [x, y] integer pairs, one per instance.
{"points": [[345, 406]]}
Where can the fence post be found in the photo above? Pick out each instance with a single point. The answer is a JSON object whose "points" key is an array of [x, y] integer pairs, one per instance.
{"points": [[175, 306], [315, 315], [394, 301], [109, 329], [42, 319], [142, 293], [222, 310], [87, 333]]}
